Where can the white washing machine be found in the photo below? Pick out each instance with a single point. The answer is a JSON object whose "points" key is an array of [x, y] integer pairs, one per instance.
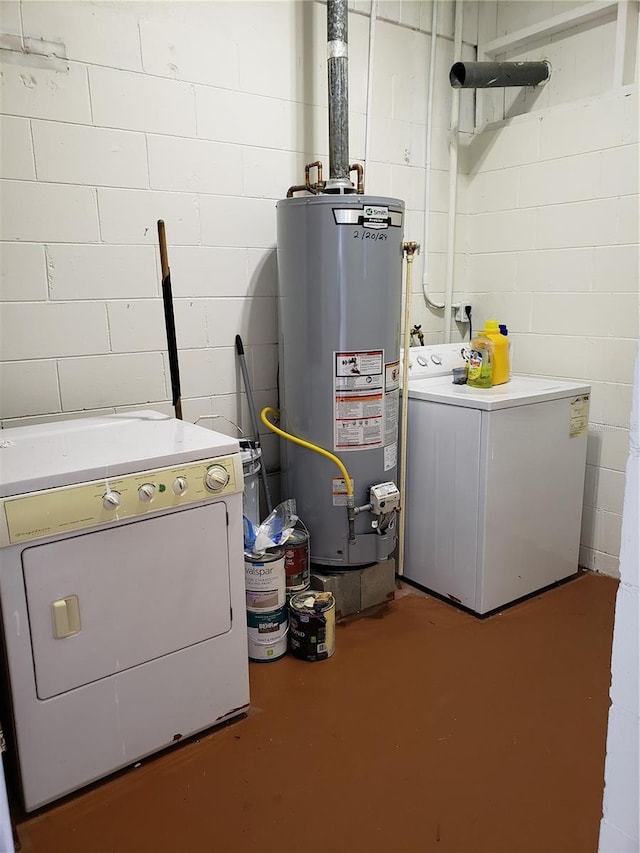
{"points": [[122, 589], [495, 482]]}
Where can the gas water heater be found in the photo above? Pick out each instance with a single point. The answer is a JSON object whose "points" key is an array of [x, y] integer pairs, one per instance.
{"points": [[340, 289]]}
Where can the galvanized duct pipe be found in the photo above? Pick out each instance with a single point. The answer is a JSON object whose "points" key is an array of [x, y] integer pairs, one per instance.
{"points": [[337, 60], [496, 75]]}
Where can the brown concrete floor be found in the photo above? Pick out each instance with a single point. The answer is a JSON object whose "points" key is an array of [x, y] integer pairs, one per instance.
{"points": [[429, 730]]}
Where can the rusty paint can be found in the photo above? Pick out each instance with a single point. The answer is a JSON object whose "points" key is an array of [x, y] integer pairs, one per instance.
{"points": [[297, 561], [267, 635], [265, 581], [312, 625]]}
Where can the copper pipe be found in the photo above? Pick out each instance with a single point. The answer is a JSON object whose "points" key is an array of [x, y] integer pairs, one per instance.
{"points": [[319, 184], [296, 189], [357, 167]]}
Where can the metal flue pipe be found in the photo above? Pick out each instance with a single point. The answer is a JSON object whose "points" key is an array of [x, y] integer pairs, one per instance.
{"points": [[497, 75], [337, 60]]}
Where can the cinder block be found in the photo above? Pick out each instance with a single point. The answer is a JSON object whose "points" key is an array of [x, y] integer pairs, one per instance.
{"points": [[54, 329], [130, 101], [12, 18], [377, 583], [345, 586], [99, 271], [136, 379], [99, 33], [358, 589], [242, 222], [28, 388], [266, 171], [48, 213], [69, 153], [240, 118], [23, 272], [199, 366], [175, 48], [131, 216], [209, 271], [46, 92], [138, 325], [195, 165], [17, 156]]}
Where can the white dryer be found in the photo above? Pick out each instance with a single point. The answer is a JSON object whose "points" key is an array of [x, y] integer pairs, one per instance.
{"points": [[495, 482], [122, 589]]}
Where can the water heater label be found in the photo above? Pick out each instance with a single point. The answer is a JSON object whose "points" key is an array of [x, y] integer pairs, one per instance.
{"points": [[359, 400], [369, 216], [391, 410], [391, 456], [339, 489]]}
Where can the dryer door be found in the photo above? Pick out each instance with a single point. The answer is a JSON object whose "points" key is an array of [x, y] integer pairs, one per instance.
{"points": [[103, 602]]}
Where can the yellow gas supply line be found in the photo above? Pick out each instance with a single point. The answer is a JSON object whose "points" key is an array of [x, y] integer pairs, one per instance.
{"points": [[351, 513]]}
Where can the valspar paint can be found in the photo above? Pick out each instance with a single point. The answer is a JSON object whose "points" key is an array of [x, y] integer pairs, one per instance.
{"points": [[267, 635], [312, 625], [265, 581], [297, 561]]}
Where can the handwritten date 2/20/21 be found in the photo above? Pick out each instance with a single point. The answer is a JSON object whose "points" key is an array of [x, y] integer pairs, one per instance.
{"points": [[369, 235]]}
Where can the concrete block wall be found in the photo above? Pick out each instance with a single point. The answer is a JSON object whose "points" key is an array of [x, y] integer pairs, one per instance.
{"points": [[551, 241], [115, 115]]}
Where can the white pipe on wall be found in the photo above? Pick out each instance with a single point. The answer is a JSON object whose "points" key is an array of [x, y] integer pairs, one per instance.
{"points": [[453, 177], [408, 249], [427, 163], [372, 40]]}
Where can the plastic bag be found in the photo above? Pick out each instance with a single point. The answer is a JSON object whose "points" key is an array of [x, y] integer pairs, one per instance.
{"points": [[274, 530]]}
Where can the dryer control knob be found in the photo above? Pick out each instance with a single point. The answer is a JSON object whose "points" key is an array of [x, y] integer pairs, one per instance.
{"points": [[180, 486], [111, 500], [216, 478], [147, 492]]}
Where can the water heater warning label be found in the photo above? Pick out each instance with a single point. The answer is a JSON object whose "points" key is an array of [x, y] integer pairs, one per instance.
{"points": [[358, 392]]}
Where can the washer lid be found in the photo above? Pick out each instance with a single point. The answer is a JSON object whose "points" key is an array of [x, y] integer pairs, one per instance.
{"points": [[519, 391], [50, 455]]}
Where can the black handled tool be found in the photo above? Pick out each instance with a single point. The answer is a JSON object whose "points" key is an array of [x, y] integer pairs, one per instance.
{"points": [[169, 321]]}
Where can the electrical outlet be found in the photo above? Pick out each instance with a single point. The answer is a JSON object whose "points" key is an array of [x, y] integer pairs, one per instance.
{"points": [[459, 312]]}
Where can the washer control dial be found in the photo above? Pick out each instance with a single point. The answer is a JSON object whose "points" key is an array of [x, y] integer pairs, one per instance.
{"points": [[111, 500], [216, 478], [422, 361], [180, 486], [147, 492], [436, 358]]}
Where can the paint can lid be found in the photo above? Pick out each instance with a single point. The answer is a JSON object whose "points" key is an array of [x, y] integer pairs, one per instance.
{"points": [[269, 556], [312, 601], [297, 537]]}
